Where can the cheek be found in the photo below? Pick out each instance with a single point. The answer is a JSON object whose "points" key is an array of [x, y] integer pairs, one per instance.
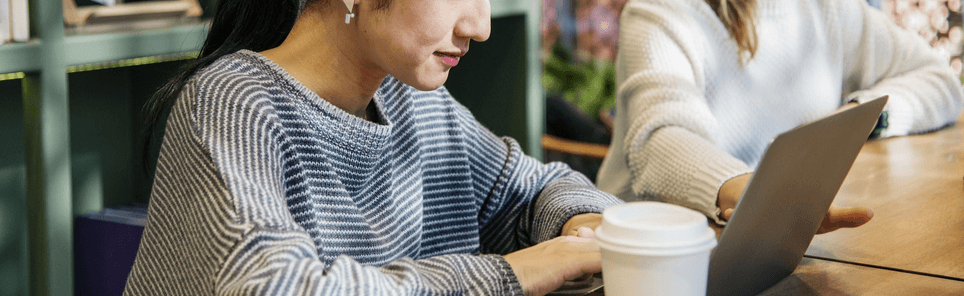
{"points": [[404, 42], [388, 49], [414, 48]]}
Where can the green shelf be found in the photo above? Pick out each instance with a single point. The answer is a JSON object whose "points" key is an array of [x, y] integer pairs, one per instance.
{"points": [[110, 47], [107, 47], [20, 57]]}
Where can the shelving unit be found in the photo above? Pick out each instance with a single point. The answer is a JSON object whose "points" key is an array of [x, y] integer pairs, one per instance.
{"points": [[102, 48], [20, 57], [45, 60]]}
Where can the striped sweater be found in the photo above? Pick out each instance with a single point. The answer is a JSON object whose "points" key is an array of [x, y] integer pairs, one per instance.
{"points": [[264, 188]]}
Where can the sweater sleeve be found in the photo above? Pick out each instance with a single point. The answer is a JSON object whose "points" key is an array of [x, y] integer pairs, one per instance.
{"points": [[883, 59], [219, 222], [671, 153], [522, 200]]}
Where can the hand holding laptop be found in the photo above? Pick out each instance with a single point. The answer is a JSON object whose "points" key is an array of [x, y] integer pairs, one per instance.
{"points": [[777, 209], [836, 218]]}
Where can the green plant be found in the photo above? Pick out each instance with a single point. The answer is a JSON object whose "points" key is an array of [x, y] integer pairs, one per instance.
{"points": [[590, 85]]}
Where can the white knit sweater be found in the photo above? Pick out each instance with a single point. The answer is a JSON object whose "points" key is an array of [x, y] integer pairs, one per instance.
{"points": [[689, 116]]}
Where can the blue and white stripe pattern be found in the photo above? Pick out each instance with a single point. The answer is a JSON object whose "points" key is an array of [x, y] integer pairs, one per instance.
{"points": [[264, 188]]}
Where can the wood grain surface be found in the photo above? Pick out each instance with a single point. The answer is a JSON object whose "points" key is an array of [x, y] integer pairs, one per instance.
{"points": [[915, 185], [821, 277]]}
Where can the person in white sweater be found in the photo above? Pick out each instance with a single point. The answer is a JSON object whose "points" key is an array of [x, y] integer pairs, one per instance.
{"points": [[703, 85]]}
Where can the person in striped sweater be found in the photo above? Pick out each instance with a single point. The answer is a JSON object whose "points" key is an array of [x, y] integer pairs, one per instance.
{"points": [[312, 150]]}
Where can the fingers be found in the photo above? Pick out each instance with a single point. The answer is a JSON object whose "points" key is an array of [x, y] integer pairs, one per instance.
{"points": [[582, 231], [844, 217], [731, 190], [586, 232], [584, 254], [727, 214], [588, 220], [580, 245], [572, 238], [543, 268], [836, 218]]}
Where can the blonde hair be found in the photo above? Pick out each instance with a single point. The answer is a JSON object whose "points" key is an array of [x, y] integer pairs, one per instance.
{"points": [[738, 16]]}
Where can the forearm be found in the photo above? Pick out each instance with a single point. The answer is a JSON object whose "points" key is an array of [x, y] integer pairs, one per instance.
{"points": [[269, 262], [531, 201], [925, 94], [569, 195], [917, 103], [676, 166]]}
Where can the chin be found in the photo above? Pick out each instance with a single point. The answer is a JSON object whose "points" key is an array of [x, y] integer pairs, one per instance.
{"points": [[429, 83]]}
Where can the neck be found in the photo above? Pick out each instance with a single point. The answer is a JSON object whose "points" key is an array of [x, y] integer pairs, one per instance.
{"points": [[323, 53]]}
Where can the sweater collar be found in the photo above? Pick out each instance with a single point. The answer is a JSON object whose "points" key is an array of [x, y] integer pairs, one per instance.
{"points": [[356, 135]]}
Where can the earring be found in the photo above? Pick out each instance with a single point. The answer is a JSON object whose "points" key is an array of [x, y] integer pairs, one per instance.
{"points": [[349, 15]]}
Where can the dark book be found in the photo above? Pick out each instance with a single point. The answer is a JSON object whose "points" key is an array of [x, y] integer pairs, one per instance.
{"points": [[105, 244]]}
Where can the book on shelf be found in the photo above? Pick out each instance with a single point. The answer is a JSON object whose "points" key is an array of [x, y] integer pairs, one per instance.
{"points": [[4, 21], [105, 245], [121, 11], [19, 21], [108, 2]]}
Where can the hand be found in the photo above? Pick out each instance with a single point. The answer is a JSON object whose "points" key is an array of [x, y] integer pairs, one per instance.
{"points": [[730, 193], [588, 220], [544, 267], [836, 218], [844, 217]]}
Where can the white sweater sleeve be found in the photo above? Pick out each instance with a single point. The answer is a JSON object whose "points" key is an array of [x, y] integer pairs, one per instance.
{"points": [[883, 59], [669, 143]]}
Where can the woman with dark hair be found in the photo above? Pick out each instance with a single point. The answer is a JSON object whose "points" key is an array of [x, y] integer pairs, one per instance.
{"points": [[311, 149], [703, 85]]}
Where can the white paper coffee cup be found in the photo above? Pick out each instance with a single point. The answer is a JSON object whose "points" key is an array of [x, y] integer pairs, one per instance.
{"points": [[653, 248]]}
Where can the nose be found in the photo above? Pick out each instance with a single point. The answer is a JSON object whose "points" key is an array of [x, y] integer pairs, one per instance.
{"points": [[475, 22]]}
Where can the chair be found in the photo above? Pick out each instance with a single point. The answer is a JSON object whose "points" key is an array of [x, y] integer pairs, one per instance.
{"points": [[591, 150], [580, 156]]}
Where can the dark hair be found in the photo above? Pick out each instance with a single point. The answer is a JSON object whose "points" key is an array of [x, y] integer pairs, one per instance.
{"points": [[238, 24]]}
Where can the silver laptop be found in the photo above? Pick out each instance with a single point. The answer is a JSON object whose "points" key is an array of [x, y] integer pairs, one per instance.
{"points": [[786, 199], [783, 205]]}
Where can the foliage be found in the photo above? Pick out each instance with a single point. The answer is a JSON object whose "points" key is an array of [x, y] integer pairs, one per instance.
{"points": [[590, 85]]}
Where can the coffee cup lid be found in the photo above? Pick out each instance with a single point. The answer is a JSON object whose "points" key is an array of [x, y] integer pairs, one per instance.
{"points": [[654, 228]]}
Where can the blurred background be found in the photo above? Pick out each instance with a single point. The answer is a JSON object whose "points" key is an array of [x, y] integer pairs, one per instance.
{"points": [[578, 49], [580, 39]]}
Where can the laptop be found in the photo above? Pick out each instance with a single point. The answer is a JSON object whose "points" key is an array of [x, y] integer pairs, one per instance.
{"points": [[782, 206], [787, 197]]}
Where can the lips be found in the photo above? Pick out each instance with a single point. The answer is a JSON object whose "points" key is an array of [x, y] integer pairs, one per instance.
{"points": [[449, 58]]}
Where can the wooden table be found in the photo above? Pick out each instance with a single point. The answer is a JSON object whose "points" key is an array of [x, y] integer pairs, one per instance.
{"points": [[915, 243], [822, 277], [915, 185]]}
